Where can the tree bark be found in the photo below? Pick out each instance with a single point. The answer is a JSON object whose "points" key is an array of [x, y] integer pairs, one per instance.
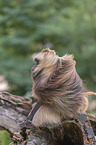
{"points": [[13, 111]]}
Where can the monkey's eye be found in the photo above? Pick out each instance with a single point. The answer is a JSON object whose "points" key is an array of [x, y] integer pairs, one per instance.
{"points": [[36, 60]]}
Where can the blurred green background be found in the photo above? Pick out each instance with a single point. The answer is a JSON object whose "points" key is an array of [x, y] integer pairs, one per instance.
{"points": [[27, 26]]}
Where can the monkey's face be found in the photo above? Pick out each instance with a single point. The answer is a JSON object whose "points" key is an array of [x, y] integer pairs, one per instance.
{"points": [[45, 60]]}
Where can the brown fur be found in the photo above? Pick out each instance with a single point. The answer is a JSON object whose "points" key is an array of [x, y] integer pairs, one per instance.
{"points": [[59, 88]]}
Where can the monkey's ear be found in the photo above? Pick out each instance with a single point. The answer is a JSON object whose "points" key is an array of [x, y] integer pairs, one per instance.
{"points": [[48, 50]]}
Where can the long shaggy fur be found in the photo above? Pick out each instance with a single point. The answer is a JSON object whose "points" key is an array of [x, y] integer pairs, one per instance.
{"points": [[59, 88]]}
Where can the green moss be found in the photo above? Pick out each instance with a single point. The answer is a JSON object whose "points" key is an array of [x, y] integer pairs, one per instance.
{"points": [[4, 138]]}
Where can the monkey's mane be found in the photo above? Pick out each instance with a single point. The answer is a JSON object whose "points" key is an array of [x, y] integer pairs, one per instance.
{"points": [[63, 89]]}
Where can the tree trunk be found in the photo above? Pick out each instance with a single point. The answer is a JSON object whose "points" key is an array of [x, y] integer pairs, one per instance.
{"points": [[13, 111]]}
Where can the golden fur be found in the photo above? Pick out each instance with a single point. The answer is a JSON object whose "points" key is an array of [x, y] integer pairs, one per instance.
{"points": [[58, 87]]}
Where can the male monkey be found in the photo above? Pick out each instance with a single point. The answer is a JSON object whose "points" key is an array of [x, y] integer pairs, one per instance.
{"points": [[58, 89]]}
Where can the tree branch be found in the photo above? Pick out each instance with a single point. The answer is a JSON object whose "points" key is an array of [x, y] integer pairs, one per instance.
{"points": [[13, 110]]}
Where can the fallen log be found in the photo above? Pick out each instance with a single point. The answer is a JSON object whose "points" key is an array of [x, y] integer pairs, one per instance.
{"points": [[14, 109]]}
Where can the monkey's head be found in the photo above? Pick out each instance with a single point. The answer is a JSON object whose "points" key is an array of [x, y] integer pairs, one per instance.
{"points": [[56, 82], [45, 60]]}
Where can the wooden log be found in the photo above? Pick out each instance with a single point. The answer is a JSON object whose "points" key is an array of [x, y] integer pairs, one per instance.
{"points": [[14, 109]]}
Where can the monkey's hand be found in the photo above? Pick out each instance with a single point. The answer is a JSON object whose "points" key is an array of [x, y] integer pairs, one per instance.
{"points": [[28, 125]]}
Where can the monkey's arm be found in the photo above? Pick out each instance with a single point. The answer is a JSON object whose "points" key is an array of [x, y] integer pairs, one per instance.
{"points": [[27, 121]]}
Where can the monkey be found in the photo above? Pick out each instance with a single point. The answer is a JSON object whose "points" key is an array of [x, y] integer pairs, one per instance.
{"points": [[58, 89]]}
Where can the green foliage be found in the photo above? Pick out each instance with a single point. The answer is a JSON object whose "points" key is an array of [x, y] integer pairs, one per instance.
{"points": [[4, 138], [26, 26]]}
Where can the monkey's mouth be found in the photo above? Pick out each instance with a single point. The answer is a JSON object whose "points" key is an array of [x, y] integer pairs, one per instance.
{"points": [[33, 67]]}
